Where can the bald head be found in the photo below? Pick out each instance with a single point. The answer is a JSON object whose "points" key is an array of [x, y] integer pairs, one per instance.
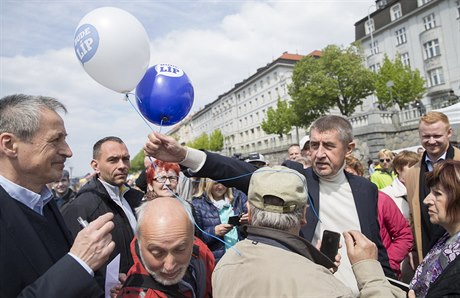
{"points": [[164, 212], [165, 237]]}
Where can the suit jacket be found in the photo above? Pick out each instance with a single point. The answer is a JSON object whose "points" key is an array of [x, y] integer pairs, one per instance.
{"points": [[415, 196], [26, 267], [219, 167]]}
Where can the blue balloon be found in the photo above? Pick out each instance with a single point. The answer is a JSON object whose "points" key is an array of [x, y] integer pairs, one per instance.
{"points": [[164, 95]]}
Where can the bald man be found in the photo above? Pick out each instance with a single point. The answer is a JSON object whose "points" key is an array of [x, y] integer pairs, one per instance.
{"points": [[168, 260]]}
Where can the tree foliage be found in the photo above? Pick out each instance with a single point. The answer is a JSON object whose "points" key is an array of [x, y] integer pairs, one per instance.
{"points": [[337, 79], [216, 140], [279, 120], [137, 163], [408, 84]]}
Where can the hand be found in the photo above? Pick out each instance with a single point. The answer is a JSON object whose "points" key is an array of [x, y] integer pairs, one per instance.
{"points": [[93, 245], [359, 247], [165, 148], [116, 289], [411, 294], [222, 229], [337, 259], [244, 219]]}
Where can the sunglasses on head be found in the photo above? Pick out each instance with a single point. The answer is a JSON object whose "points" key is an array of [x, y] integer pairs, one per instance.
{"points": [[383, 160]]}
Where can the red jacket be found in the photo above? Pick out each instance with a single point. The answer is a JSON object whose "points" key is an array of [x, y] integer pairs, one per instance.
{"points": [[395, 231], [202, 263]]}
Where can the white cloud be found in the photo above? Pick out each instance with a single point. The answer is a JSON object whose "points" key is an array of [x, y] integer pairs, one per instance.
{"points": [[218, 44]]}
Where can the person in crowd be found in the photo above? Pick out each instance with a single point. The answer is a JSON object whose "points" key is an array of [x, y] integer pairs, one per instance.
{"points": [[437, 275], [213, 210], [294, 152], [62, 192], [353, 197], [435, 132], [397, 190], [275, 262], [395, 231], [305, 146], [370, 167], [38, 257], [168, 260], [305, 161], [383, 173], [107, 192], [162, 179], [257, 159], [141, 180]]}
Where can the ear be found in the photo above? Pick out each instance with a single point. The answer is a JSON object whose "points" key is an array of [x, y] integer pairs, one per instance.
{"points": [[94, 164], [351, 146], [9, 144], [449, 132], [303, 221], [249, 212]]}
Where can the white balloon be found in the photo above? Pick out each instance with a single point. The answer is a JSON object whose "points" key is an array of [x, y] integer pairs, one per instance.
{"points": [[113, 47]]}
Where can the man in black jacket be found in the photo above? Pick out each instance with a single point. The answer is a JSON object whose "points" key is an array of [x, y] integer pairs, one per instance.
{"points": [[107, 192]]}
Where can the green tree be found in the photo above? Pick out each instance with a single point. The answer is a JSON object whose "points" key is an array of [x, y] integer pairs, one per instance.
{"points": [[337, 79], [216, 140], [137, 163], [279, 120], [202, 142], [407, 84]]}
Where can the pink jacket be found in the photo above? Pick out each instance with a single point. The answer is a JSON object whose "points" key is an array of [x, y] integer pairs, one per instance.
{"points": [[395, 231]]}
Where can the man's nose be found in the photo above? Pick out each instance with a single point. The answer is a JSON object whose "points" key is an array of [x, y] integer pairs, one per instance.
{"points": [[170, 263]]}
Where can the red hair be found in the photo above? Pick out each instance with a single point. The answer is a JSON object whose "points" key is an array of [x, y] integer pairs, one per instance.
{"points": [[150, 171]]}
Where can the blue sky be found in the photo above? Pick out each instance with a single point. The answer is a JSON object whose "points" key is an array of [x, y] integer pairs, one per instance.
{"points": [[217, 43]]}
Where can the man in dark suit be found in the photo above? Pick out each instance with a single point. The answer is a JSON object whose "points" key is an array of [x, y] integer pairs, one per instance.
{"points": [[37, 258], [348, 202]]}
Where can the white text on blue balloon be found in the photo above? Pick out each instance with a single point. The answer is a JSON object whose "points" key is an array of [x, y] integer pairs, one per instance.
{"points": [[169, 70]]}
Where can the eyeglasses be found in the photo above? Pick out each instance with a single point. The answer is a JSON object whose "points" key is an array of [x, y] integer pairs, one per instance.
{"points": [[162, 179], [385, 160]]}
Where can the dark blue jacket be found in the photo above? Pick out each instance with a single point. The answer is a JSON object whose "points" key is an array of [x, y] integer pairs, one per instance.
{"points": [[207, 217]]}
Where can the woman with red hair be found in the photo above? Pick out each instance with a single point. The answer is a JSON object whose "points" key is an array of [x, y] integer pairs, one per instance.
{"points": [[162, 179]]}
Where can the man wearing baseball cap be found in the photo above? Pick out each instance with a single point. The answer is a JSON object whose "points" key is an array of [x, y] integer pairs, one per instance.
{"points": [[274, 262]]}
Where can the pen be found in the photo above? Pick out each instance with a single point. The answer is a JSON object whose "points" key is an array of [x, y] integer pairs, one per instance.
{"points": [[83, 223]]}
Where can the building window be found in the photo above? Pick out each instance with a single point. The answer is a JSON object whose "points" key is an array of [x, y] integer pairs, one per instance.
{"points": [[422, 2], [405, 59], [401, 36], [396, 12], [374, 47], [458, 9], [429, 21], [369, 26], [432, 49], [375, 67], [436, 77]]}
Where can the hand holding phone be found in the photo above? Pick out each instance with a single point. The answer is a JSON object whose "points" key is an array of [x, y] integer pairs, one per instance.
{"points": [[234, 220], [330, 244]]}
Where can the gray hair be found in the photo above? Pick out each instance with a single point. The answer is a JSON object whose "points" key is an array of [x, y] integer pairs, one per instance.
{"points": [[274, 220], [20, 114], [337, 123]]}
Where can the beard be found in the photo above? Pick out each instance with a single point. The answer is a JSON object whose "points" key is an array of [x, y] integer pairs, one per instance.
{"points": [[157, 274]]}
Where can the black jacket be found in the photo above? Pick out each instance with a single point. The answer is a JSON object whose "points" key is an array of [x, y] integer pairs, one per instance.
{"points": [[93, 201], [447, 284]]}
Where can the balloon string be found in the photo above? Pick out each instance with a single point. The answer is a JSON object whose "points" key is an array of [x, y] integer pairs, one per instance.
{"points": [[182, 200], [142, 117]]}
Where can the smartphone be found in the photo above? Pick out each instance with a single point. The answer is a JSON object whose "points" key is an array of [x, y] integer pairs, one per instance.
{"points": [[234, 220], [330, 244]]}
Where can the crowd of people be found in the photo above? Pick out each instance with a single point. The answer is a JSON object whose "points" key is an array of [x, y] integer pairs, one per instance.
{"points": [[199, 224]]}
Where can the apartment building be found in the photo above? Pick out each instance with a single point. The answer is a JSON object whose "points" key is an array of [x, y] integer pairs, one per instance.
{"points": [[238, 113]]}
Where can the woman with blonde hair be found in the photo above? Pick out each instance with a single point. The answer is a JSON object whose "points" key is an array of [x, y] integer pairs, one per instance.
{"points": [[213, 210]]}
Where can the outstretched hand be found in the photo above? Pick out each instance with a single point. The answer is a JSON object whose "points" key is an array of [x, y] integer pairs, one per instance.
{"points": [[164, 148], [359, 248]]}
